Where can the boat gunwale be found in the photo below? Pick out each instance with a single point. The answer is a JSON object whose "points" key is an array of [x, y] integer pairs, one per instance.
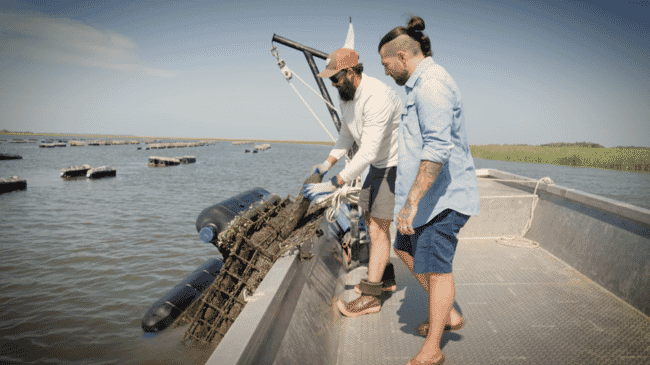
{"points": [[247, 340], [625, 210]]}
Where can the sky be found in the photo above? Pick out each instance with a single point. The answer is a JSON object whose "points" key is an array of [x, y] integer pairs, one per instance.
{"points": [[530, 72]]}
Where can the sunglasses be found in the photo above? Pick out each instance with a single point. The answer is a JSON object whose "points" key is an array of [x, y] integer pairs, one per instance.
{"points": [[336, 78]]}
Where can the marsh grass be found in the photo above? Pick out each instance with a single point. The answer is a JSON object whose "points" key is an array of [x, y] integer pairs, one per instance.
{"points": [[618, 158]]}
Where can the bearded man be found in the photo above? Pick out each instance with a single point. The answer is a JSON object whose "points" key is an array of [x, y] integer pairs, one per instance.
{"points": [[370, 114]]}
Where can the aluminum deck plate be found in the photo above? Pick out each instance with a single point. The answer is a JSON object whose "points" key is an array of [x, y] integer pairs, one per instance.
{"points": [[521, 305]]}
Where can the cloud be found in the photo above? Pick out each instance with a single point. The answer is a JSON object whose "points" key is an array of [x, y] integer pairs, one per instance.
{"points": [[62, 40]]}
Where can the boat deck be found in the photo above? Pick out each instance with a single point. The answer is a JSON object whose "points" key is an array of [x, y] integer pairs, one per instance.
{"points": [[522, 305]]}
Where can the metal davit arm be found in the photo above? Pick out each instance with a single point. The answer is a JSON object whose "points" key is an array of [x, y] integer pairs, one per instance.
{"points": [[309, 55], [300, 47]]}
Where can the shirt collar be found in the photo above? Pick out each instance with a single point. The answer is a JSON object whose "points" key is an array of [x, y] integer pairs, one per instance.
{"points": [[426, 63], [358, 92]]}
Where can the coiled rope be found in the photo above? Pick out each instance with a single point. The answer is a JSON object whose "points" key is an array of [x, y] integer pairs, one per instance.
{"points": [[344, 195], [506, 240]]}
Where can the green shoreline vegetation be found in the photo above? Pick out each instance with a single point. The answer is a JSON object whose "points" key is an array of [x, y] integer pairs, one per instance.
{"points": [[579, 154], [582, 154]]}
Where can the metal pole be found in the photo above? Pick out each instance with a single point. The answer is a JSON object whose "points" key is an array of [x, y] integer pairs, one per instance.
{"points": [[309, 54], [323, 90], [300, 47]]}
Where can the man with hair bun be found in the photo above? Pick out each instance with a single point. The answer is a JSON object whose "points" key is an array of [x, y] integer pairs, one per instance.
{"points": [[436, 188]]}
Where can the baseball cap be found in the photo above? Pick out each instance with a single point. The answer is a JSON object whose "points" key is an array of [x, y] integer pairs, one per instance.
{"points": [[338, 60]]}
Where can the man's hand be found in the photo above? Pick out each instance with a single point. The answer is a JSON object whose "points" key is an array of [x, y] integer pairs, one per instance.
{"points": [[321, 168], [318, 192], [404, 220], [427, 175]]}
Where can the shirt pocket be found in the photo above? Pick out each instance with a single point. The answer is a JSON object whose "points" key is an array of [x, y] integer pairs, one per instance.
{"points": [[409, 105], [410, 118]]}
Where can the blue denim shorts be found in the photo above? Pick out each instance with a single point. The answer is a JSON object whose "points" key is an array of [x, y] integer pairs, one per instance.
{"points": [[434, 244]]}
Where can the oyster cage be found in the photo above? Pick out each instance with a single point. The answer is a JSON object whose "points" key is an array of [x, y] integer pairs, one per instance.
{"points": [[253, 243]]}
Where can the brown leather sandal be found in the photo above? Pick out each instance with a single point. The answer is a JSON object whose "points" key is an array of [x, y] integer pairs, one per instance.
{"points": [[368, 302]]}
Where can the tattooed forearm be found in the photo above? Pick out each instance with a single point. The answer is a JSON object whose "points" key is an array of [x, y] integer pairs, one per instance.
{"points": [[427, 175]]}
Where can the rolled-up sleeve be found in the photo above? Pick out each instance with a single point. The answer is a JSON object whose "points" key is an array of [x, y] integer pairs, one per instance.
{"points": [[435, 114]]}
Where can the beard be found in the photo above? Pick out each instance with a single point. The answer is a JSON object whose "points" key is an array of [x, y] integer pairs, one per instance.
{"points": [[401, 78], [347, 90]]}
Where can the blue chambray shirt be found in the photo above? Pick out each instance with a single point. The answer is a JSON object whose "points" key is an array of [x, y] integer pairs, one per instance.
{"points": [[433, 128]]}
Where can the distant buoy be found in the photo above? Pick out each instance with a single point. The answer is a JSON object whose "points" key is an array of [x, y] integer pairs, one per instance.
{"points": [[10, 156], [187, 159], [100, 172], [157, 161], [75, 171], [12, 184]]}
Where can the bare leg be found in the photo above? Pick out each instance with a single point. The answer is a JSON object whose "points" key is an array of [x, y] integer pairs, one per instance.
{"points": [[369, 301], [454, 318], [379, 230], [441, 300]]}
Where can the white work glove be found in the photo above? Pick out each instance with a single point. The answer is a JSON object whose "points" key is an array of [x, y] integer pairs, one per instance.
{"points": [[321, 168], [318, 192]]}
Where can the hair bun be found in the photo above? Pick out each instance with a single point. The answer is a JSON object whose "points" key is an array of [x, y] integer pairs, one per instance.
{"points": [[415, 24], [413, 32]]}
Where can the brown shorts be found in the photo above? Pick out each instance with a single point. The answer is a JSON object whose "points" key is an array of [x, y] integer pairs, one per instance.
{"points": [[377, 194]]}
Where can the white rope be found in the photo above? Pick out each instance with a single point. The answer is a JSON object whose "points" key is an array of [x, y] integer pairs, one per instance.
{"points": [[482, 173], [505, 240], [546, 180], [344, 195], [288, 74], [317, 94], [347, 194], [252, 298], [312, 112]]}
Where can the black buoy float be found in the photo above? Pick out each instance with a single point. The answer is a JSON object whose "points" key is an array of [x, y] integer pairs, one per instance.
{"points": [[217, 218], [168, 308]]}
